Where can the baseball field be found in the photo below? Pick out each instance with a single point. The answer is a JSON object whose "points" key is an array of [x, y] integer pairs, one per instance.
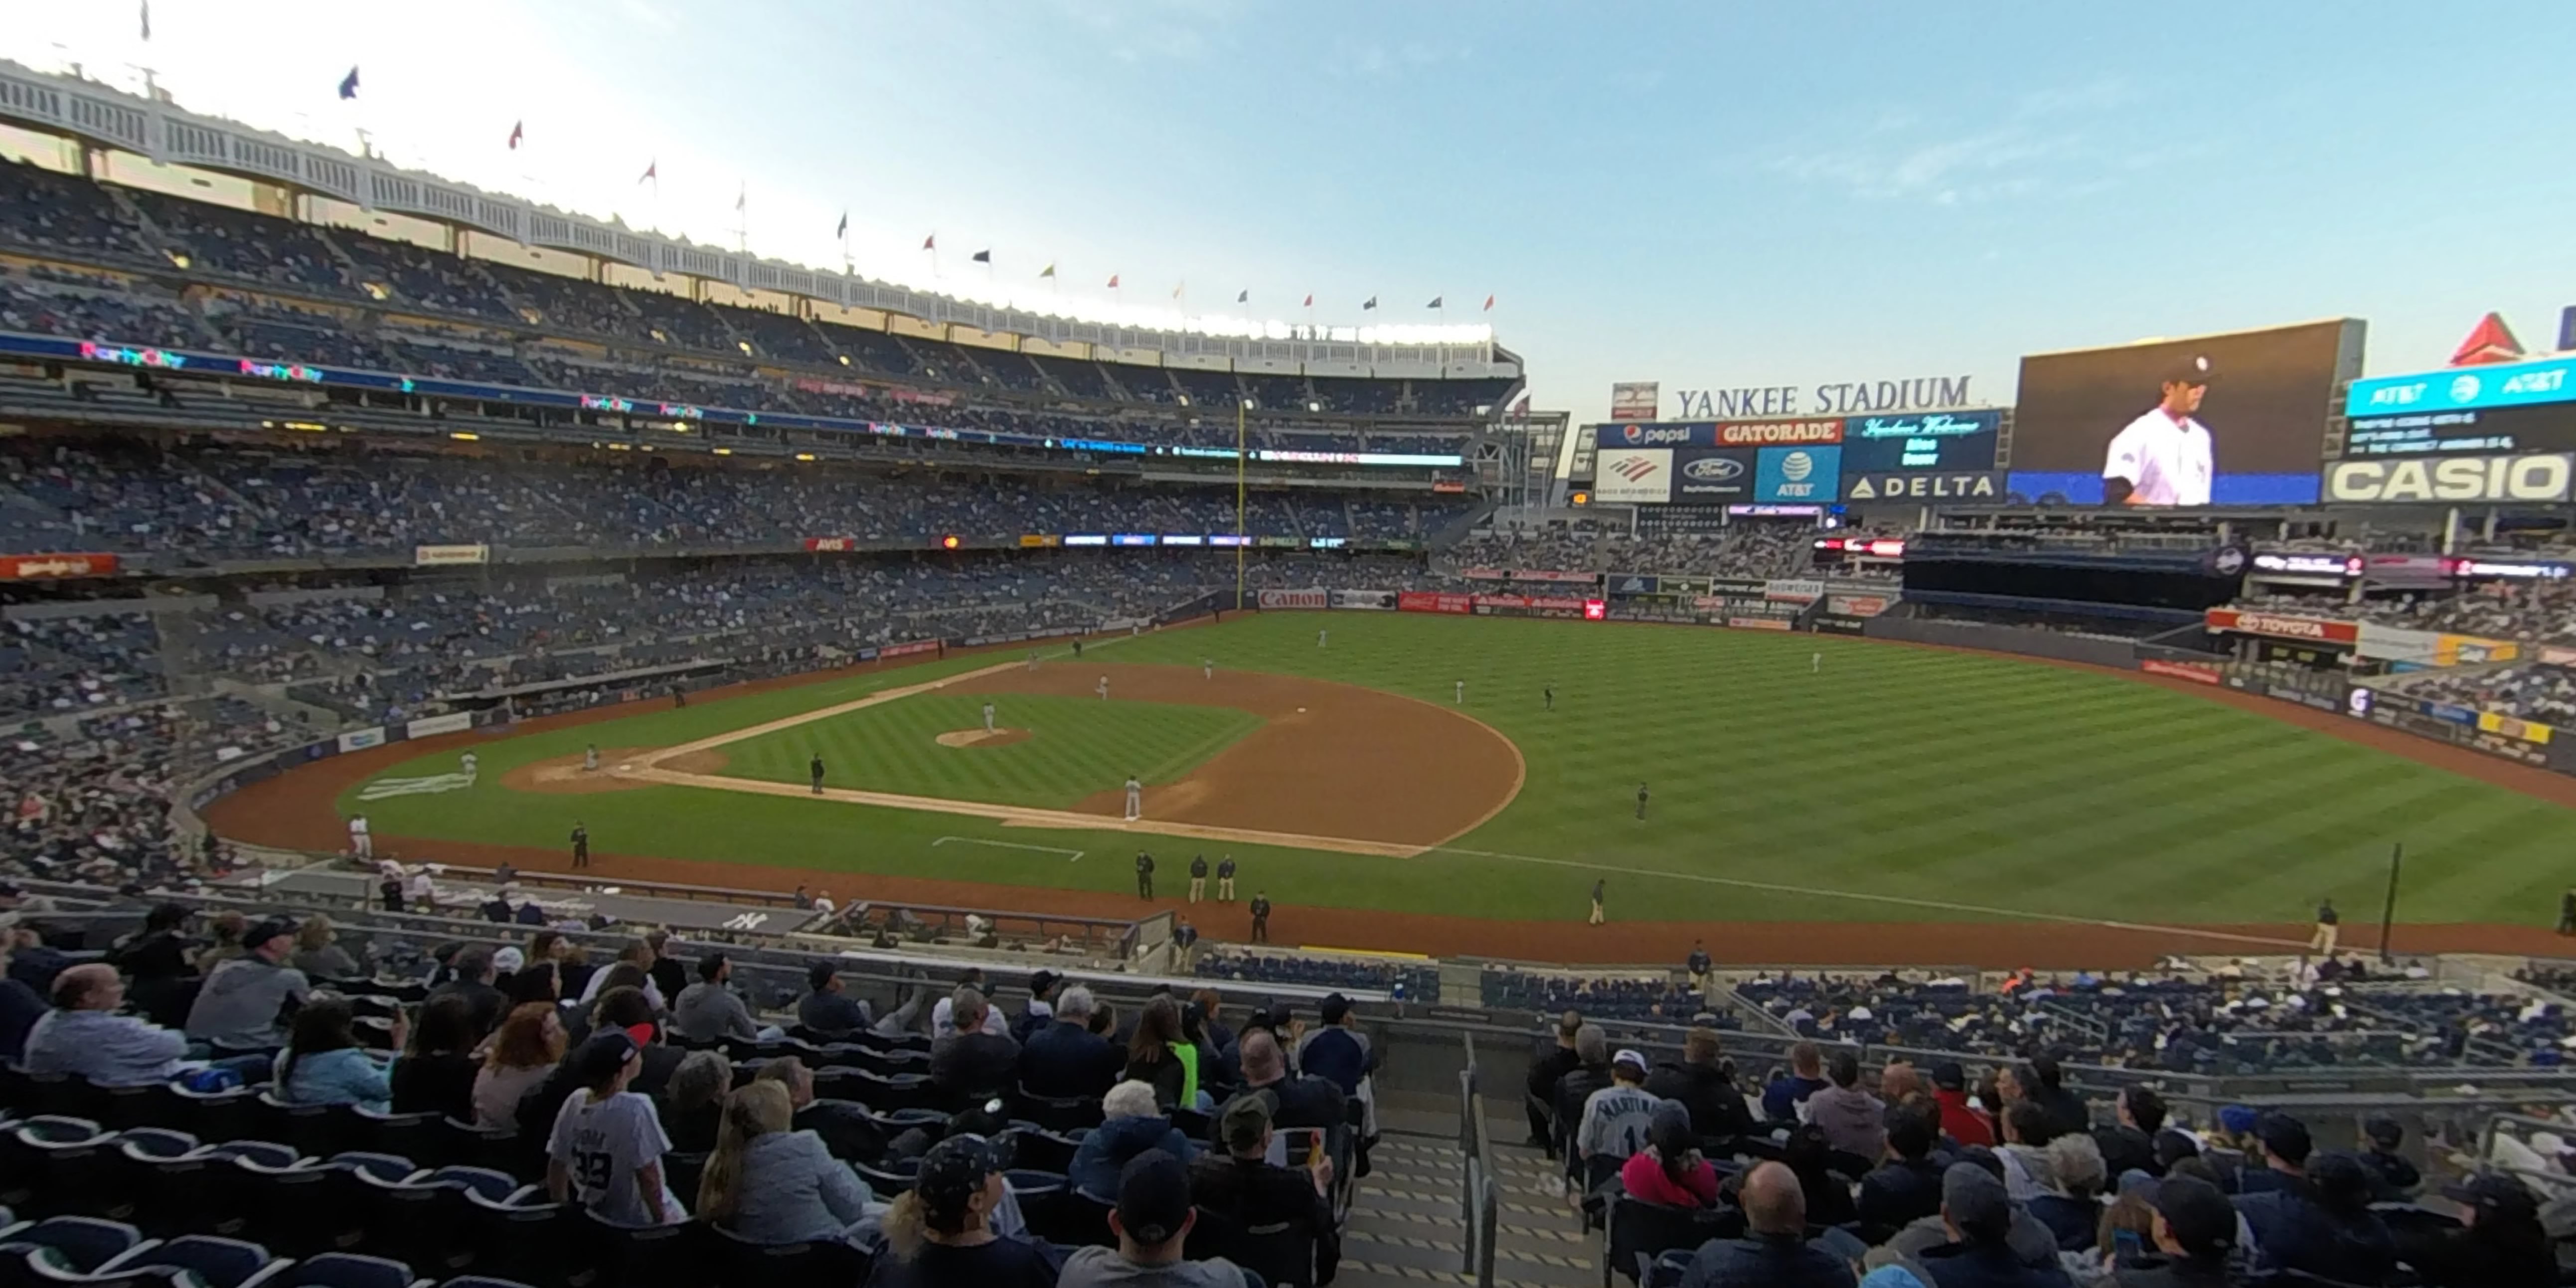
{"points": [[1809, 798]]}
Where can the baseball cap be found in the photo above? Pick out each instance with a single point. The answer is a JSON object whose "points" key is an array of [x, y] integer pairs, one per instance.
{"points": [[2199, 1217], [2193, 370], [2236, 1120], [819, 974], [266, 930], [509, 960], [1948, 1076], [1975, 1201], [603, 1054], [2495, 1195], [2283, 1137], [1635, 1059], [1041, 981], [1335, 1007], [952, 1173], [1246, 1118], [1153, 1197]]}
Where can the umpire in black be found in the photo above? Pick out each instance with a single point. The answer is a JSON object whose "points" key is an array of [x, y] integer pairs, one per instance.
{"points": [[1144, 875]]}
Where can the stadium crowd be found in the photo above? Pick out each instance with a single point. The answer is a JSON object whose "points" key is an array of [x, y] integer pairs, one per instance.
{"points": [[1753, 549], [2525, 690]]}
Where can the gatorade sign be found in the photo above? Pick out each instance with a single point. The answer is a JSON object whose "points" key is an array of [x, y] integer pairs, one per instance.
{"points": [[2451, 480]]}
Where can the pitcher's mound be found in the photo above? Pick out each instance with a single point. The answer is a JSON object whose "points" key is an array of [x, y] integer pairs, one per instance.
{"points": [[564, 775], [979, 738]]}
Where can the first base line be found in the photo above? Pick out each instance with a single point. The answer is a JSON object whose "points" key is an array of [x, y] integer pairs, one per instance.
{"points": [[1075, 856]]}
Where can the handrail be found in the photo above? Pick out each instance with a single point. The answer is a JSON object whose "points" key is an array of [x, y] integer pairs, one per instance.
{"points": [[1479, 1199]]}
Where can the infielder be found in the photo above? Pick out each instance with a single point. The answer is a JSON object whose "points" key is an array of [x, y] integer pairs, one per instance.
{"points": [[1460, 696], [360, 843], [1135, 799], [468, 762], [988, 717], [1103, 688], [1207, 667], [1225, 879], [2164, 456], [1198, 876], [590, 759], [1033, 659], [1599, 888]]}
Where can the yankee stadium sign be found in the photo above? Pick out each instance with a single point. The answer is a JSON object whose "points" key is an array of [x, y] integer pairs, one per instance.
{"points": [[1921, 393]]}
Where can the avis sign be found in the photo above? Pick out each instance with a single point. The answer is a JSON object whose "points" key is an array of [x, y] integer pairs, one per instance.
{"points": [[2451, 480]]}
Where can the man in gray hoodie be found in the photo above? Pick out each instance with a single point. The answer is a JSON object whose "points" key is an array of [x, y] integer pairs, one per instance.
{"points": [[708, 1009], [242, 1006], [1852, 1119]]}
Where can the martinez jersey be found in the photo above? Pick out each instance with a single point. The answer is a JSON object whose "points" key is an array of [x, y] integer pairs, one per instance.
{"points": [[2166, 462], [603, 1145]]}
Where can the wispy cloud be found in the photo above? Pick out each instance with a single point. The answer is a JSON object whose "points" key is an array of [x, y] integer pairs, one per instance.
{"points": [[2046, 142], [1136, 31], [1376, 61]]}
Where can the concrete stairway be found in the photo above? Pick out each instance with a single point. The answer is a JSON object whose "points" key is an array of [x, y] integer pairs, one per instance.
{"points": [[1406, 1226]]}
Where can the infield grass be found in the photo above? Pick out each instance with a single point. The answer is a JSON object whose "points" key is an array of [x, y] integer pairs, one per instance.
{"points": [[1897, 784]]}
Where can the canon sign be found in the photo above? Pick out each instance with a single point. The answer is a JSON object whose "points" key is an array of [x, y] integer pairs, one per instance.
{"points": [[2451, 480]]}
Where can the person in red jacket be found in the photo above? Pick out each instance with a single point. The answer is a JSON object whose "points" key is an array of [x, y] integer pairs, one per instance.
{"points": [[1960, 1121], [1669, 1169]]}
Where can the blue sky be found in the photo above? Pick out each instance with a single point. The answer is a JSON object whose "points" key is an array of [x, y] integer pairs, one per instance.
{"points": [[1702, 194]]}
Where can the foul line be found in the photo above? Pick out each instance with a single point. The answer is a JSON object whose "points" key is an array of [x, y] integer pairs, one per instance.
{"points": [[1010, 845]]}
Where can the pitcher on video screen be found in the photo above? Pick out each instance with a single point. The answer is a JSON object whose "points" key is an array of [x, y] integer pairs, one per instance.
{"points": [[2163, 457]]}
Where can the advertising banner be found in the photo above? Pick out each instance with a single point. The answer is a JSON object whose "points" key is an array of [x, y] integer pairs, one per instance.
{"points": [[2464, 388], [1759, 623], [2525, 730], [1796, 592], [2196, 672], [1296, 599], [1836, 624], [1368, 600], [1633, 476], [1533, 574], [908, 649], [1954, 486], [2283, 626], [1706, 477], [1929, 443], [438, 556], [2469, 650], [50, 567], [2299, 565], [428, 726], [2553, 655], [1777, 433], [1531, 605], [2395, 644], [1629, 583], [833, 544], [1856, 605], [361, 739], [2540, 479], [1794, 474], [1425, 601], [1636, 400], [1484, 574]]}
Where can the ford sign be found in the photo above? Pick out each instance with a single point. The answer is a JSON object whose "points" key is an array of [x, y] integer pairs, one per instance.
{"points": [[1714, 469]]}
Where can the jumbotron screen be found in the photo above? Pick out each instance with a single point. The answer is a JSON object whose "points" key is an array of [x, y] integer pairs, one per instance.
{"points": [[2234, 419]]}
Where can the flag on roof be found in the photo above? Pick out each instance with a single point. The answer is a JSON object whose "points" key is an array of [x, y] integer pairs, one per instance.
{"points": [[1489, 304], [982, 257], [740, 195], [1310, 299], [349, 84], [652, 172], [1048, 271], [1176, 289], [2490, 341], [1113, 281], [518, 131], [1435, 303], [1243, 296], [930, 242], [844, 229], [1371, 303], [147, 19]]}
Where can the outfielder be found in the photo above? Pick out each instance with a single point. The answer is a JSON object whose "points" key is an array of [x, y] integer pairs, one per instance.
{"points": [[468, 762], [1135, 799], [1815, 664], [1460, 697], [360, 843], [1599, 888], [1550, 693], [1641, 802], [590, 759], [1207, 667], [988, 717], [1103, 688], [1319, 638]]}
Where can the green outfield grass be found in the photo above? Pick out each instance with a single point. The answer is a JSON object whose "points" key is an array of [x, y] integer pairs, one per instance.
{"points": [[1933, 783], [1076, 746]]}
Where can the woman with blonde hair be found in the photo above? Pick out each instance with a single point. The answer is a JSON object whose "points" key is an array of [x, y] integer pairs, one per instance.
{"points": [[528, 1046], [768, 1184], [941, 1231], [226, 929], [316, 955]]}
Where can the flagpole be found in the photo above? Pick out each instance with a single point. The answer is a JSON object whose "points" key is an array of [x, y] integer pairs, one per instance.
{"points": [[1239, 524]]}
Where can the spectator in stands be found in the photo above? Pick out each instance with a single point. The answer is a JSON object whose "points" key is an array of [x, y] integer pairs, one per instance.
{"points": [[1241, 1184], [1220, 1036], [317, 956], [2194, 1235], [2500, 1242], [972, 1062], [1131, 1124], [1294, 1102], [638, 954], [1544, 1072], [323, 1064], [2393, 1178], [1670, 1170], [1805, 1078], [618, 975], [2129, 1145], [939, 1234], [1157, 1056], [1063, 1058], [224, 933], [537, 982], [844, 1127], [84, 1037], [1702, 1085], [2281, 1144], [770, 1184], [607, 1144], [693, 1107], [1774, 1252], [2322, 1224], [1979, 1216], [943, 1014], [827, 1010], [668, 973], [30, 961], [484, 1002], [1854, 1121], [1960, 1121], [2066, 1110], [526, 1050], [21, 1006], [1041, 1008], [1152, 1220], [436, 1074], [241, 1007], [2024, 1151], [1590, 1074], [1906, 1187], [709, 1010], [1339, 1051], [155, 959], [2072, 1209], [1615, 1119]]}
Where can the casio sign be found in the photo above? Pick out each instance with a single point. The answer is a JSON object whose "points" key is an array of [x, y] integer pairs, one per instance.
{"points": [[2455, 479], [1714, 469]]}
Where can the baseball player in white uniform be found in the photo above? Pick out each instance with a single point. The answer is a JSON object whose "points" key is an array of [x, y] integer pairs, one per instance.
{"points": [[1319, 638], [360, 843], [1459, 696], [2164, 456], [468, 762], [590, 759], [1207, 667], [1103, 686], [1135, 799], [988, 717]]}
